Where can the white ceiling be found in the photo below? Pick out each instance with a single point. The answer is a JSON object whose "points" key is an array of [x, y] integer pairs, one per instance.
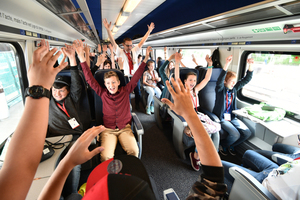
{"points": [[111, 9]]}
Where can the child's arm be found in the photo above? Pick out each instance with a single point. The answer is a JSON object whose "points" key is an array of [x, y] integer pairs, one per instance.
{"points": [[183, 106], [87, 73], [194, 59], [112, 57], [121, 62], [165, 53], [87, 54], [22, 157], [75, 88], [207, 77], [100, 61], [178, 58], [78, 154], [137, 75], [241, 83], [220, 81]]}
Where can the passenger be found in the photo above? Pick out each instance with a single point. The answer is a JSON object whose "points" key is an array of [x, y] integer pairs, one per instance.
{"points": [[279, 180], [210, 184], [150, 80], [164, 72], [140, 59], [63, 116], [281, 149], [116, 107], [226, 91], [22, 157], [211, 127], [129, 55]]}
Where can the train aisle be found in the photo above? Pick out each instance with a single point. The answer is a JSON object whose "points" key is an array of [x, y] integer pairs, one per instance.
{"points": [[161, 160]]}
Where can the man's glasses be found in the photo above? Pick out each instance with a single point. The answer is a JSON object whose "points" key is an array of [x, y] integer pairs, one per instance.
{"points": [[130, 45]]}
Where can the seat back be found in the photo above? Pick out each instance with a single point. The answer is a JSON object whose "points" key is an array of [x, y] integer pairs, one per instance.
{"points": [[84, 108], [207, 95]]}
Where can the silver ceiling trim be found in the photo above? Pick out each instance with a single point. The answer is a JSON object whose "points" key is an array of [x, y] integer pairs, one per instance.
{"points": [[70, 13], [283, 10], [85, 9]]}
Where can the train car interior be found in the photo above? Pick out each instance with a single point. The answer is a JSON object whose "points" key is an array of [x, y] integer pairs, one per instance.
{"points": [[265, 31]]}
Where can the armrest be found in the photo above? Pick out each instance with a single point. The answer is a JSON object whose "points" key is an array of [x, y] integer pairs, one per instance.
{"points": [[138, 125], [281, 159], [246, 185], [174, 115], [211, 115]]}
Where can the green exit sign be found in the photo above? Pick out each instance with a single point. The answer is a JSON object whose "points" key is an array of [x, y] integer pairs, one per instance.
{"points": [[267, 29]]}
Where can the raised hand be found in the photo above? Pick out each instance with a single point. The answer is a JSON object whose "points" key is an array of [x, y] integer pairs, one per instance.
{"points": [[79, 152], [148, 50], [79, 50], [151, 27], [101, 59], [106, 24], [229, 59], [104, 48], [182, 98], [178, 57], [86, 49], [43, 43], [208, 60], [250, 61], [165, 49], [69, 51], [41, 71]]}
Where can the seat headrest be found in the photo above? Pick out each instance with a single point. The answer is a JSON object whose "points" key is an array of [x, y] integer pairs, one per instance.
{"points": [[99, 76], [183, 72], [215, 74]]}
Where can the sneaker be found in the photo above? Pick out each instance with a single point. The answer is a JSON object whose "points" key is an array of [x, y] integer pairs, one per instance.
{"points": [[194, 162], [232, 151], [152, 109], [223, 151], [148, 110]]}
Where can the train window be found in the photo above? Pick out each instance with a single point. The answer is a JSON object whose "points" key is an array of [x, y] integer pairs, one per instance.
{"points": [[275, 80], [11, 104], [199, 55], [160, 53]]}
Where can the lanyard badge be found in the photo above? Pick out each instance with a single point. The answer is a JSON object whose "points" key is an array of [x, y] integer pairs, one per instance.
{"points": [[73, 123]]}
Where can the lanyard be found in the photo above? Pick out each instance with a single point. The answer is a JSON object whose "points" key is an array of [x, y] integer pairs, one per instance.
{"points": [[63, 108], [195, 104], [228, 106], [153, 76], [129, 62]]}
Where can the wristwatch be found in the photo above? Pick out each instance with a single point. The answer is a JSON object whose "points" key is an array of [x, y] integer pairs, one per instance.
{"points": [[37, 92]]}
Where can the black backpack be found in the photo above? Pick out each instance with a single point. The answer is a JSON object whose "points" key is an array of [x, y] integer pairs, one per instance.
{"points": [[216, 59]]}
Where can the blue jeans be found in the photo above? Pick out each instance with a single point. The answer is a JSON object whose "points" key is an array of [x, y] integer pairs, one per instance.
{"points": [[282, 149], [237, 131], [151, 92], [260, 167]]}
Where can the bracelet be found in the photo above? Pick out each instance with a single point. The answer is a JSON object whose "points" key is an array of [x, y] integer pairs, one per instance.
{"points": [[210, 67]]}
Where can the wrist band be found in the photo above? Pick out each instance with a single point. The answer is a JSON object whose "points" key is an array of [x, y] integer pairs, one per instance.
{"points": [[210, 67]]}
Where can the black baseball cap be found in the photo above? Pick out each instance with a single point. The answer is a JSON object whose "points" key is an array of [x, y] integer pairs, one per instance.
{"points": [[63, 79]]}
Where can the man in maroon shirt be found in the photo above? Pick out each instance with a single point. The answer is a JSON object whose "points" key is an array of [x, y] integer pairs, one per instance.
{"points": [[116, 106]]}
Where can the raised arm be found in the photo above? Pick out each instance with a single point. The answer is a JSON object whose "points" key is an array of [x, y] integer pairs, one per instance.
{"points": [[87, 54], [112, 56], [87, 72], [228, 61], [165, 53], [78, 154], [110, 36], [22, 158], [100, 61], [178, 58], [207, 77], [250, 62], [150, 29], [194, 59], [120, 63], [75, 88], [183, 106]]}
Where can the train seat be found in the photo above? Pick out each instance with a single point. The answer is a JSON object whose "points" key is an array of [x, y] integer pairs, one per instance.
{"points": [[207, 97], [136, 124], [246, 185]]}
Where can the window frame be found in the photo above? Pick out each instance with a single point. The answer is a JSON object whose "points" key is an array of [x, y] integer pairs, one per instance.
{"points": [[242, 70]]}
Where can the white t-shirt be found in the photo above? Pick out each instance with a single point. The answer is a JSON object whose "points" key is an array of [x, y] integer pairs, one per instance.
{"points": [[284, 186], [135, 52]]}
